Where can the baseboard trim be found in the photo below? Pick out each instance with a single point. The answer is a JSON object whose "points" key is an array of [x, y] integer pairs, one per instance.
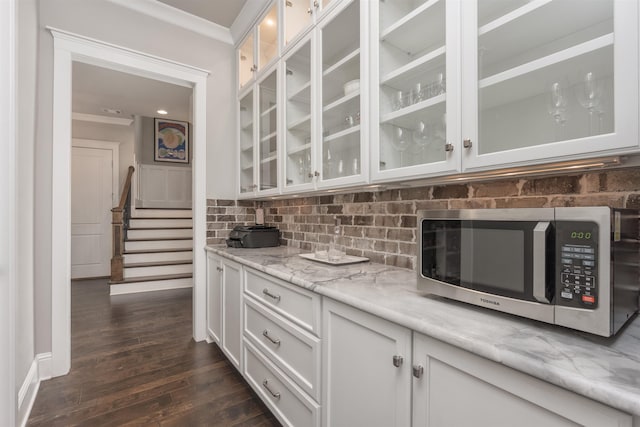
{"points": [[45, 366], [160, 285], [27, 393]]}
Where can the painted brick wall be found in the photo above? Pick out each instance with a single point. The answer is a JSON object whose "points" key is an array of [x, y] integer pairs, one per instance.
{"points": [[382, 225]]}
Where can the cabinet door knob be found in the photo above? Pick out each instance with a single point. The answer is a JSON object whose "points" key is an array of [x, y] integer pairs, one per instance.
{"points": [[275, 341], [418, 371], [270, 295], [254, 67], [467, 143], [397, 361], [219, 269], [275, 394], [316, 173], [448, 147], [309, 11], [311, 175], [316, 4]]}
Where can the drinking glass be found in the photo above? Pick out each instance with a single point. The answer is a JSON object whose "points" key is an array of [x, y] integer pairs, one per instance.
{"points": [[590, 97], [400, 142], [557, 108]]}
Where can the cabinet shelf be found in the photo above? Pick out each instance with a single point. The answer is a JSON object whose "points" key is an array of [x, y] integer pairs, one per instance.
{"points": [[298, 150], [423, 25], [302, 124], [269, 110], [523, 81], [396, 116], [302, 94], [517, 32], [272, 157], [340, 63], [268, 137], [247, 126], [341, 101], [246, 148], [342, 133], [415, 68], [247, 168]]}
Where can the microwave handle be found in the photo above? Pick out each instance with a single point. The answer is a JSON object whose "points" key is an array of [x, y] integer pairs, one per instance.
{"points": [[539, 261]]}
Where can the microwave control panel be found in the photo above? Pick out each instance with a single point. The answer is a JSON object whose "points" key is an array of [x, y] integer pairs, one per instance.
{"points": [[577, 264]]}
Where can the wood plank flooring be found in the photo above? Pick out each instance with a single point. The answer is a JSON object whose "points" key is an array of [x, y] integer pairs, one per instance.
{"points": [[133, 362]]}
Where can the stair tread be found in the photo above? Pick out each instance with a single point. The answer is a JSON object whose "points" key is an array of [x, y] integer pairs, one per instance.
{"points": [[157, 239], [159, 228], [163, 209], [153, 278], [156, 251], [157, 263], [153, 218]]}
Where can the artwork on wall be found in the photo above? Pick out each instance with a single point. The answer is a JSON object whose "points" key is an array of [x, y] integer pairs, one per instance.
{"points": [[171, 141]]}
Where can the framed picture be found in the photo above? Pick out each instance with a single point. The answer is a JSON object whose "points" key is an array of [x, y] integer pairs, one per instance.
{"points": [[171, 141]]}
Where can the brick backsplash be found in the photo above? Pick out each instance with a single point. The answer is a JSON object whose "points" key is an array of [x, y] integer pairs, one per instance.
{"points": [[382, 225]]}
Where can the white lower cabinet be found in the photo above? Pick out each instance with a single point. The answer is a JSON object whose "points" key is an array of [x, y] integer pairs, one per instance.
{"points": [[458, 388], [214, 297], [232, 311], [366, 369]]}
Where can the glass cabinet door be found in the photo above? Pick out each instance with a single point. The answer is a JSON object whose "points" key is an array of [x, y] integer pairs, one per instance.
{"points": [[268, 38], [412, 87], [548, 73], [340, 94], [268, 135], [298, 15], [246, 62], [246, 143], [298, 136]]}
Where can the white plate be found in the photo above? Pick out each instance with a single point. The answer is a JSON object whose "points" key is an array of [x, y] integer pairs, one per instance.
{"points": [[347, 259]]}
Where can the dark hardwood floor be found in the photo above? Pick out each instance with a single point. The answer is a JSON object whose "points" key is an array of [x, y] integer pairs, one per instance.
{"points": [[133, 362]]}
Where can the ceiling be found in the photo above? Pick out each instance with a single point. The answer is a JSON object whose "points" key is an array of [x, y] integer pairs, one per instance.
{"points": [[221, 12], [96, 88]]}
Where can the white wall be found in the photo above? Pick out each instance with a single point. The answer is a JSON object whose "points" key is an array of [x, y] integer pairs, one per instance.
{"points": [[109, 22], [125, 135], [26, 93]]}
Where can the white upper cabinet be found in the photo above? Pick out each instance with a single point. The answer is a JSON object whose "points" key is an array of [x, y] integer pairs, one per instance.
{"points": [[415, 113], [246, 60], [342, 90], [299, 16], [268, 38], [246, 142], [548, 80], [268, 133]]}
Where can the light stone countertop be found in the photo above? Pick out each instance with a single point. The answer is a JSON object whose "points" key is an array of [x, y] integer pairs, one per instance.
{"points": [[604, 369]]}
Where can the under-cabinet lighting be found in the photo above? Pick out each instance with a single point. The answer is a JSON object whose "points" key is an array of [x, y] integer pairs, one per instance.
{"points": [[162, 112]]}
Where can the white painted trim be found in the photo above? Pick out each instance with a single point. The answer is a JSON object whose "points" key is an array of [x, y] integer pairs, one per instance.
{"points": [[159, 285], [69, 47], [8, 64], [27, 393], [101, 119], [114, 147], [179, 18], [44, 366], [247, 18]]}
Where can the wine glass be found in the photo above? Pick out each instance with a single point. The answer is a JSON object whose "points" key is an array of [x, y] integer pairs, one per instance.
{"points": [[590, 97], [400, 142], [557, 107], [421, 134]]}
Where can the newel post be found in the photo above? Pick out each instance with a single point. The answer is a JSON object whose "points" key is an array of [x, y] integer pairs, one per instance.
{"points": [[117, 264]]}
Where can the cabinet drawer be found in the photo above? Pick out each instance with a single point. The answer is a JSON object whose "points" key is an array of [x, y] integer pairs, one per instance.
{"points": [[291, 348], [289, 404], [294, 303]]}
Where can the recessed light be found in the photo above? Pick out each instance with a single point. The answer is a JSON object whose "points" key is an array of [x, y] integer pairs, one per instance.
{"points": [[111, 111], [163, 112]]}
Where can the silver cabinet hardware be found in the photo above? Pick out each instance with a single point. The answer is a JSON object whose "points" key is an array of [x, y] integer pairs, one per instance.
{"points": [[219, 269], [448, 147], [316, 173], [397, 361], [276, 395], [288, 3], [254, 68], [311, 175], [270, 295], [309, 11], [467, 143], [418, 371], [316, 4], [275, 341]]}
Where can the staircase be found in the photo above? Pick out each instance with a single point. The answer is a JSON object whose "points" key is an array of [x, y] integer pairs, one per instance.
{"points": [[158, 251]]}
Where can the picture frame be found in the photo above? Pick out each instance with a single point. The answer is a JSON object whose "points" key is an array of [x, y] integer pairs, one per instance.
{"points": [[171, 142]]}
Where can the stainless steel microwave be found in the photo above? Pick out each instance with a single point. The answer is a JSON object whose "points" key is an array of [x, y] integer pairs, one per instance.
{"points": [[571, 266]]}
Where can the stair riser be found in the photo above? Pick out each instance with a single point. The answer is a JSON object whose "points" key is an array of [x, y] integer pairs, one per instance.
{"points": [[157, 257], [160, 223], [130, 272], [162, 213], [159, 234], [158, 244], [158, 285]]}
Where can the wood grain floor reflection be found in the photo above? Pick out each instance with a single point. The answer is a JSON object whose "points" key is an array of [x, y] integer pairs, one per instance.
{"points": [[133, 362]]}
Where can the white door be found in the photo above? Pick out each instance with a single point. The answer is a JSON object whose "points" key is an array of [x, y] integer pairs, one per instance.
{"points": [[91, 203]]}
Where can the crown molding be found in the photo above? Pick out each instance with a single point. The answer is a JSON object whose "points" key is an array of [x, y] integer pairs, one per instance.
{"points": [[247, 17], [101, 119], [178, 17]]}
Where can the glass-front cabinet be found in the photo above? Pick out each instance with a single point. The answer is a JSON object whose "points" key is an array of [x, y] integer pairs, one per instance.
{"points": [[548, 80], [298, 136], [247, 143], [268, 38], [415, 46], [268, 133], [342, 102], [300, 15], [246, 60]]}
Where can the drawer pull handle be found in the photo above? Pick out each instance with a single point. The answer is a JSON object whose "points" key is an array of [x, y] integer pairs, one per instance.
{"points": [[265, 334], [270, 295], [275, 395], [397, 361], [418, 371]]}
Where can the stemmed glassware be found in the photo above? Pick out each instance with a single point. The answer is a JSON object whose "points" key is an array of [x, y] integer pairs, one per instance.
{"points": [[558, 107], [400, 142], [589, 95]]}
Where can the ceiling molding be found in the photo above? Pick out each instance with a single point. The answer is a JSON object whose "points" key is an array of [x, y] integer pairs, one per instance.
{"points": [[178, 17], [102, 119], [247, 17]]}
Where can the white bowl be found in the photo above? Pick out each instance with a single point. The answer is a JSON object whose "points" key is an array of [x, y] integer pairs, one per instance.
{"points": [[351, 86]]}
